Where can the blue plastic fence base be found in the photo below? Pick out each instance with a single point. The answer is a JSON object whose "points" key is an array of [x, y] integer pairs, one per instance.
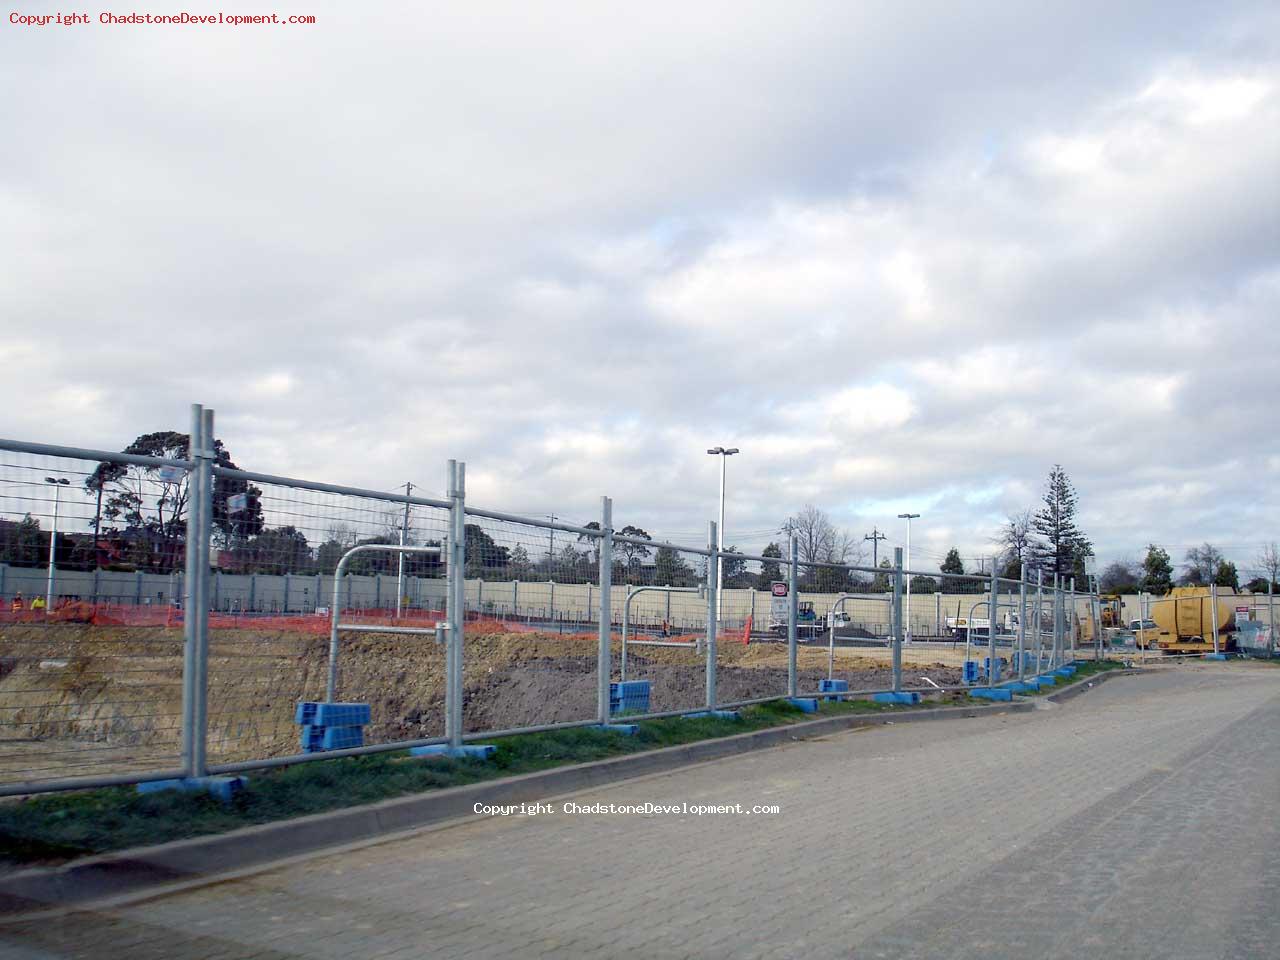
{"points": [[806, 704], [1215, 656], [902, 697], [989, 693], [223, 788], [1067, 671], [833, 686], [626, 729], [1047, 680], [474, 751], [1020, 686], [717, 714]]}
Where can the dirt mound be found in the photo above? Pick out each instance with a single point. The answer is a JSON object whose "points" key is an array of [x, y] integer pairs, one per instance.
{"points": [[122, 686]]}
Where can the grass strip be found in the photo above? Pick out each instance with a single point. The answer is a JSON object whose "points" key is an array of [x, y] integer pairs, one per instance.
{"points": [[53, 828]]}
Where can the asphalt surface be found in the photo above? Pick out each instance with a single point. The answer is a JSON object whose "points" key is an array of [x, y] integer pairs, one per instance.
{"points": [[1136, 821]]}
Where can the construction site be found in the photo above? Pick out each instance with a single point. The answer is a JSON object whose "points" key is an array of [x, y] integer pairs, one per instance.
{"points": [[80, 699]]}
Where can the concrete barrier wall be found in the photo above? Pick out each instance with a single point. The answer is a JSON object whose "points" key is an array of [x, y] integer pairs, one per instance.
{"points": [[528, 600]]}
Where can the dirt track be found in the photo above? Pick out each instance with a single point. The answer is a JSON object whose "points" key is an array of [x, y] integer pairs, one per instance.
{"points": [[78, 697]]}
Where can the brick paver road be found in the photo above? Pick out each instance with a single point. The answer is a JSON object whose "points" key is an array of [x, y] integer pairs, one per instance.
{"points": [[1137, 821]]}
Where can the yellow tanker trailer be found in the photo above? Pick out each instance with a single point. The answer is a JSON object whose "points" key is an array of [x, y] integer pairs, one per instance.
{"points": [[1184, 621]]}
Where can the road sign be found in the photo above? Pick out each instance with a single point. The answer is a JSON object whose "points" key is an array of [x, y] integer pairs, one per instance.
{"points": [[238, 503], [172, 474], [779, 588]]}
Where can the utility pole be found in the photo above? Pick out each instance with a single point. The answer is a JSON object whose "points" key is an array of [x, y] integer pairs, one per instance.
{"points": [[875, 536], [551, 547]]}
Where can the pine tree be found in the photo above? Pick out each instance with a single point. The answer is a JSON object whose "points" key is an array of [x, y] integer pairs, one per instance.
{"points": [[1157, 570], [1062, 547]]}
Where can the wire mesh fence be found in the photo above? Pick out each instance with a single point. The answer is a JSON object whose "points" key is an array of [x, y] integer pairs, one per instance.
{"points": [[76, 702], [189, 617]]}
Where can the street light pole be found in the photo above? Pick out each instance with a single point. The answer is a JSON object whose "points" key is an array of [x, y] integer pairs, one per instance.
{"points": [[908, 517], [724, 453], [58, 484]]}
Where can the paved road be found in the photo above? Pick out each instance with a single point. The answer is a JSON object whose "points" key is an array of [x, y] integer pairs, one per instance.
{"points": [[1137, 821]]}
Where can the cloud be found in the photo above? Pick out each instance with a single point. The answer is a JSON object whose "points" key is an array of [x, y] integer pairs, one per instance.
{"points": [[899, 256]]}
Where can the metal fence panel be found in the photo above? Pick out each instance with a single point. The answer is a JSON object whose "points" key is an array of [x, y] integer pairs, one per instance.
{"points": [[83, 692]]}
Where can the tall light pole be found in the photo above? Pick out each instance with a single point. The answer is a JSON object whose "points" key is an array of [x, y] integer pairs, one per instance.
{"points": [[724, 453], [58, 484], [908, 517]]}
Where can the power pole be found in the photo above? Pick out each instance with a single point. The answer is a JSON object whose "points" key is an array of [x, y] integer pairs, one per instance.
{"points": [[551, 548], [875, 536]]}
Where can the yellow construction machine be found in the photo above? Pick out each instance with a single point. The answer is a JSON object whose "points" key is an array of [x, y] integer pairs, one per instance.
{"points": [[1185, 621]]}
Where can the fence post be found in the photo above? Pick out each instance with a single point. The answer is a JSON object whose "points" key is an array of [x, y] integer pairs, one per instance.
{"points": [[1271, 616], [190, 600], [897, 619], [1213, 613], [1095, 610], [137, 590], [456, 600], [203, 462], [793, 611], [713, 566], [993, 611], [1022, 623], [604, 668]]}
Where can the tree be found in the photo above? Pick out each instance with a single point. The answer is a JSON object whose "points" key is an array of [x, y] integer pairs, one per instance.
{"points": [[1122, 576], [922, 584], [328, 554], [592, 542], [952, 563], [881, 583], [147, 505], [520, 566], [670, 570], [1157, 570], [1015, 541], [1201, 565], [1062, 547], [1227, 576], [23, 544], [818, 540], [733, 570], [633, 554], [770, 570], [277, 551], [1268, 561], [486, 560]]}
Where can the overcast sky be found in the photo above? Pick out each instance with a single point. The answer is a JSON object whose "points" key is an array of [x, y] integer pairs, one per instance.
{"points": [[904, 255]]}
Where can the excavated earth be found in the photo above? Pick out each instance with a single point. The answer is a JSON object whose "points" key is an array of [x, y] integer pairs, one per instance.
{"points": [[78, 700]]}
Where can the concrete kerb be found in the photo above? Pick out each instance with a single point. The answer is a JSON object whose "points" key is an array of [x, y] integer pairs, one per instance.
{"points": [[1086, 683], [131, 874]]}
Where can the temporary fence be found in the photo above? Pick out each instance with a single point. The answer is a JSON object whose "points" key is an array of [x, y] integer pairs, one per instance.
{"points": [[273, 620]]}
